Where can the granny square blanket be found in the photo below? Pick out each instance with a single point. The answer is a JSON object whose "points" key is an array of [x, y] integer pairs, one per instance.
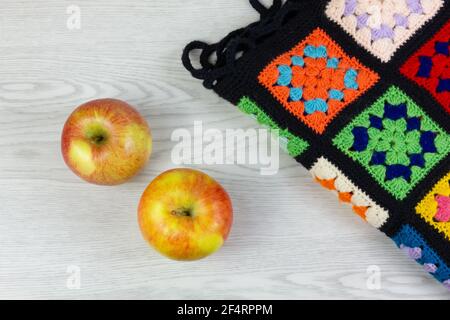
{"points": [[360, 93]]}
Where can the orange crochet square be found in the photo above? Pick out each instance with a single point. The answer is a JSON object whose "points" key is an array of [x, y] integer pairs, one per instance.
{"points": [[435, 207], [316, 80]]}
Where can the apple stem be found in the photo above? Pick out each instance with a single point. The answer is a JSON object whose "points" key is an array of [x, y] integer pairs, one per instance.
{"points": [[182, 212], [96, 134], [98, 139]]}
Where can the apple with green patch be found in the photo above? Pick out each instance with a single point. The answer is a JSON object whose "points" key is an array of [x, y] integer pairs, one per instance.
{"points": [[185, 214], [106, 141]]}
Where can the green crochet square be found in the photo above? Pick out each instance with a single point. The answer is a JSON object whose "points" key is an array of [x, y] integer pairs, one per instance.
{"points": [[289, 142], [395, 141]]}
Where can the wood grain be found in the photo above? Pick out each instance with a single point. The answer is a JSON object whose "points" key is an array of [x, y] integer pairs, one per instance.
{"points": [[290, 239]]}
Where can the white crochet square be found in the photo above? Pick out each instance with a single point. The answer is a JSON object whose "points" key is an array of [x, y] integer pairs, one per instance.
{"points": [[382, 26], [324, 170]]}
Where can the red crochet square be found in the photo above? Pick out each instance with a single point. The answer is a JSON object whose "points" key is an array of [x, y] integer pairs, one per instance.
{"points": [[429, 66]]}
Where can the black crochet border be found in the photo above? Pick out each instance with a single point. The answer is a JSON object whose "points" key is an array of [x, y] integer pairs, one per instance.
{"points": [[243, 82]]}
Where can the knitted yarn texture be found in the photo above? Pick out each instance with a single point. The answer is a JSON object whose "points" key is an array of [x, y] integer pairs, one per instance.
{"points": [[359, 91]]}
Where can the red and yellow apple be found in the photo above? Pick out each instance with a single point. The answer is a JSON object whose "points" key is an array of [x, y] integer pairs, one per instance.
{"points": [[185, 214], [106, 141]]}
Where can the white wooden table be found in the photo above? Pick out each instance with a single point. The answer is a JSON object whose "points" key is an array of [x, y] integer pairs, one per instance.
{"points": [[290, 238]]}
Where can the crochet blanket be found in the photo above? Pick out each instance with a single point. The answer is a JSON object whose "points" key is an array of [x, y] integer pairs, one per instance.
{"points": [[360, 92]]}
